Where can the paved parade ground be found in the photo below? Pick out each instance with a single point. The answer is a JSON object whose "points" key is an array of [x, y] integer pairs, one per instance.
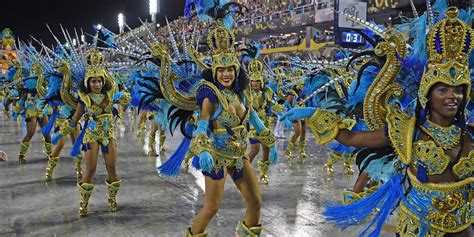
{"points": [[153, 205]]}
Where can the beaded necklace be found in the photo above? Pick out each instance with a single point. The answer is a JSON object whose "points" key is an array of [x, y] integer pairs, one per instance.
{"points": [[445, 137], [97, 98], [230, 95]]}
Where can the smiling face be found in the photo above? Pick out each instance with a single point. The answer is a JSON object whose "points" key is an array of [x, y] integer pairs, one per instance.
{"points": [[225, 76], [256, 85], [446, 100], [96, 84]]}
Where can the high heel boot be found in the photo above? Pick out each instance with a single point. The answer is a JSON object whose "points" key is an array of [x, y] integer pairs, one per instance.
{"points": [[112, 190], [85, 189], [23, 149], [52, 162]]}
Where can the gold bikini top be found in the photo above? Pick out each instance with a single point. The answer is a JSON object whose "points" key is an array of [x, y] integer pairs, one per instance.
{"points": [[93, 101], [224, 114], [231, 119], [433, 158], [400, 131]]}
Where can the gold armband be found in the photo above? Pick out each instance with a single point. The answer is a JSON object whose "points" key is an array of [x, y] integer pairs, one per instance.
{"points": [[326, 125], [266, 138], [201, 143]]}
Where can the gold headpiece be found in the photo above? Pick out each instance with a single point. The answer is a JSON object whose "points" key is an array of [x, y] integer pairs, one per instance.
{"points": [[221, 41], [279, 71], [95, 66], [255, 70], [449, 42]]}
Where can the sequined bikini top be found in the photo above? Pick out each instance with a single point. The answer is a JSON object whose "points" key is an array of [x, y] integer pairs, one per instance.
{"points": [[425, 153], [223, 116], [433, 158], [93, 103]]}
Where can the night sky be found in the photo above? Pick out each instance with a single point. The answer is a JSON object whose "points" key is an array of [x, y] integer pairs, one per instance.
{"points": [[30, 17]]}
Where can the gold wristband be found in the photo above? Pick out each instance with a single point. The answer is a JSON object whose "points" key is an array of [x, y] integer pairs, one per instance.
{"points": [[266, 138], [200, 143], [326, 125]]}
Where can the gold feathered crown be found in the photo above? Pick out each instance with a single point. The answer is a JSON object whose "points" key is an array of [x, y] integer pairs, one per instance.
{"points": [[255, 70], [221, 41], [95, 66], [449, 42]]}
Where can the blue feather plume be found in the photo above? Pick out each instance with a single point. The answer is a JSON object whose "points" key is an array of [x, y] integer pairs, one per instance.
{"points": [[46, 130], [385, 199], [358, 90], [76, 149], [172, 165]]}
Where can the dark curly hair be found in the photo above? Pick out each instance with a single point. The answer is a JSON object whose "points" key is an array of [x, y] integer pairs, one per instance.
{"points": [[106, 86], [242, 80]]}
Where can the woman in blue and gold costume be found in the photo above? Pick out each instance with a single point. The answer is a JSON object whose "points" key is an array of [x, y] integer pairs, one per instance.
{"points": [[220, 138], [28, 73], [294, 96], [59, 94], [433, 170], [97, 95], [262, 102]]}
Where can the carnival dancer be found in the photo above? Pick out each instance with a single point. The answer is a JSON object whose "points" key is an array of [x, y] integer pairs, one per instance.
{"points": [[28, 72], [433, 148], [220, 139], [12, 95], [293, 97], [262, 103], [98, 93], [159, 124], [61, 97]]}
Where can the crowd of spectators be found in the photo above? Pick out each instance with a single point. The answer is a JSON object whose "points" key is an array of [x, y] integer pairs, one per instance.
{"points": [[281, 41], [255, 8]]}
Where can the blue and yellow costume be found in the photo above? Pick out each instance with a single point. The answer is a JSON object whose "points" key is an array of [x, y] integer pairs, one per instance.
{"points": [[427, 208], [99, 123], [263, 103], [30, 104]]}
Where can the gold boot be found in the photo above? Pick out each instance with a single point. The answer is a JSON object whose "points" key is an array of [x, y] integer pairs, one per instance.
{"points": [[52, 162], [141, 129], [78, 167], [85, 189], [254, 231], [48, 146], [151, 144], [187, 233], [303, 150], [113, 189], [331, 160], [263, 169], [162, 142], [289, 149], [23, 149], [348, 159]]}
